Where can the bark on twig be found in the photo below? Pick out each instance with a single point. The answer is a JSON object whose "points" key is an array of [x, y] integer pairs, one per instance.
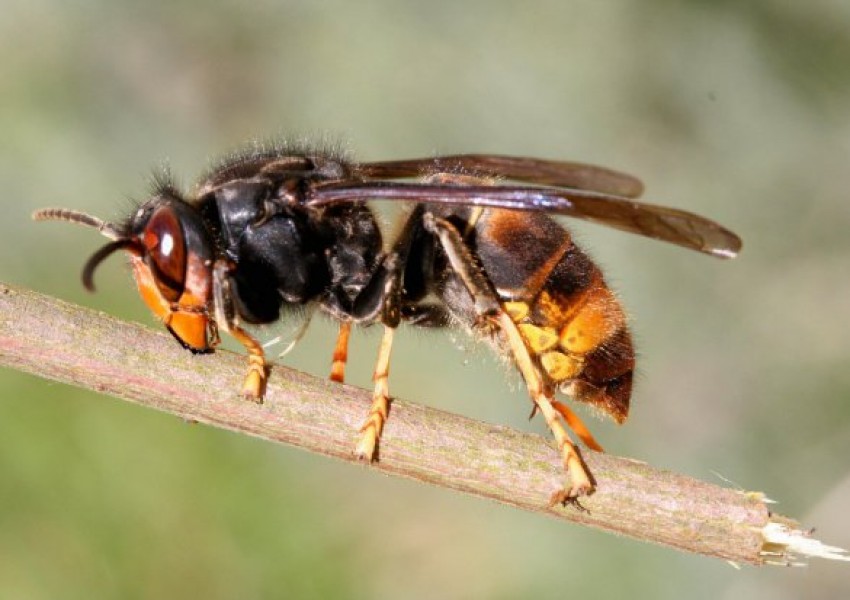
{"points": [[75, 345]]}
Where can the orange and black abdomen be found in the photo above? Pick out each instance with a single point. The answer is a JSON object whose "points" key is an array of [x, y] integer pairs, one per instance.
{"points": [[571, 322]]}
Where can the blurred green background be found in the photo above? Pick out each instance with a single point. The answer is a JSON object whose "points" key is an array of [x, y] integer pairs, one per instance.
{"points": [[734, 110]]}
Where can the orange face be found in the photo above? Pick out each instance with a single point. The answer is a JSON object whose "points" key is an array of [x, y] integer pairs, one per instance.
{"points": [[187, 319], [174, 278]]}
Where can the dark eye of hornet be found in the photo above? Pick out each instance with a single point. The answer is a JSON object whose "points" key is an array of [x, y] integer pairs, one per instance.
{"points": [[282, 227]]}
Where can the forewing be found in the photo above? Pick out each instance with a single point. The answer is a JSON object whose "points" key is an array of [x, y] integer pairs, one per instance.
{"points": [[531, 170], [658, 222]]}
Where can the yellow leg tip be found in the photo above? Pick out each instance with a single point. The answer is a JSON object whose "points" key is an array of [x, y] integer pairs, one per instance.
{"points": [[579, 486], [580, 481], [379, 411], [337, 374], [370, 433], [365, 449], [569, 495], [254, 386]]}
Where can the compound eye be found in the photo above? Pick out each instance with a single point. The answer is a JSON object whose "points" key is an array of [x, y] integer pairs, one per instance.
{"points": [[165, 252]]}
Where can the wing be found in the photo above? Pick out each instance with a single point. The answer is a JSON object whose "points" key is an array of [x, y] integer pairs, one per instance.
{"points": [[532, 170], [658, 222]]}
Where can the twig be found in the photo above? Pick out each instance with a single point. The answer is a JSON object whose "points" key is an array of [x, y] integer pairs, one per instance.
{"points": [[71, 344]]}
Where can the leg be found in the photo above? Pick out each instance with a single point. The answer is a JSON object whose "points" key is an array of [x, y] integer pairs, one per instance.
{"points": [[578, 427], [254, 387], [341, 352], [581, 483], [370, 432], [383, 302], [487, 306], [255, 381], [464, 264], [573, 422]]}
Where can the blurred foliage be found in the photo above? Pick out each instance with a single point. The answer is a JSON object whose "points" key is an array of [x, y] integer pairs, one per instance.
{"points": [[735, 110]]}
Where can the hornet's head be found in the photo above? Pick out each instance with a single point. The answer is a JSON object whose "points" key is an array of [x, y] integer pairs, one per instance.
{"points": [[171, 254]]}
